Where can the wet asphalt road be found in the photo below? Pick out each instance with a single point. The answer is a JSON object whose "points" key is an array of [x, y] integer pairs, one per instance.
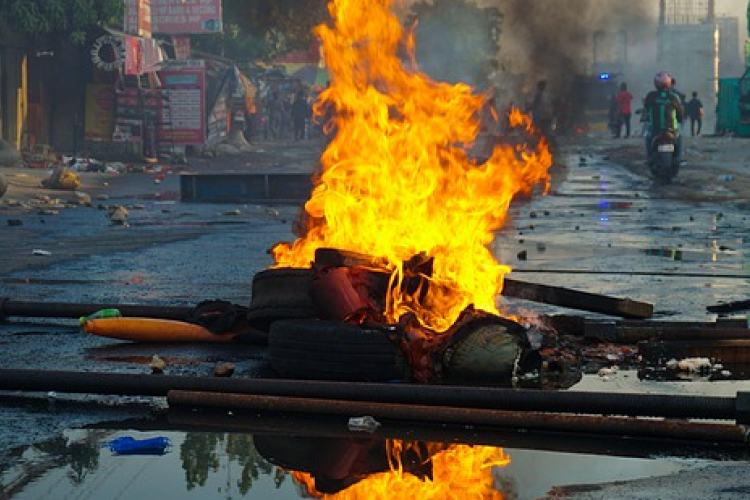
{"points": [[601, 230]]}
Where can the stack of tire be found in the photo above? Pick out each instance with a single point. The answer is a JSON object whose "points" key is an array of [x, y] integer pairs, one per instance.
{"points": [[302, 345]]}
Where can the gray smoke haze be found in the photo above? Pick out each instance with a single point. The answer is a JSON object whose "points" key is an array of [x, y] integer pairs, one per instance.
{"points": [[553, 39]]}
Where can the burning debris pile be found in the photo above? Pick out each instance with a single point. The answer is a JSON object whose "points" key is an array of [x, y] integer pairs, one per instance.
{"points": [[345, 332], [398, 188]]}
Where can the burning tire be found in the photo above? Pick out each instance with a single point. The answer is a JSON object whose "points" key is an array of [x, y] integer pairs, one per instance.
{"points": [[282, 293], [332, 350]]}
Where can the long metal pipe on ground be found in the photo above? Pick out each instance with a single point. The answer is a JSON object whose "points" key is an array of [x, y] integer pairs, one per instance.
{"points": [[634, 405], [72, 310], [619, 426], [255, 422]]}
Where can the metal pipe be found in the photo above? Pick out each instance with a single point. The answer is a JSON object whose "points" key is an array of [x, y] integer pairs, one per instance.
{"points": [[635, 405], [619, 426], [72, 310], [189, 419]]}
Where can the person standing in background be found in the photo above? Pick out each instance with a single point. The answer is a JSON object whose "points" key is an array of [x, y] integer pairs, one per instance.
{"points": [[541, 110], [624, 112], [694, 109]]}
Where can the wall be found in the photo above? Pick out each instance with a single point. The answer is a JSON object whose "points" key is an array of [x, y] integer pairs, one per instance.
{"points": [[691, 54]]}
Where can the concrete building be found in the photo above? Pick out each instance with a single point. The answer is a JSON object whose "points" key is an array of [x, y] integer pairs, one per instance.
{"points": [[731, 61], [689, 48]]}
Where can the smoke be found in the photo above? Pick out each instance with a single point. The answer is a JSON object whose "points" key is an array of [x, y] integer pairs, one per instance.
{"points": [[554, 40]]}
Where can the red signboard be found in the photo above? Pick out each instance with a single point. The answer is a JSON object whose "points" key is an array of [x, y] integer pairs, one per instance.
{"points": [[175, 17]]}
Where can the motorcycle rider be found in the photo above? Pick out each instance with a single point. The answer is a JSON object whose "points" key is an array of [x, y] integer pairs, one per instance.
{"points": [[665, 112]]}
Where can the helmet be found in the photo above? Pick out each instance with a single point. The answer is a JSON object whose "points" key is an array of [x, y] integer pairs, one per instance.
{"points": [[663, 80]]}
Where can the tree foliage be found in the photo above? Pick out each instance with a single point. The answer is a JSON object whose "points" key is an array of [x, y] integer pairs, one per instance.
{"points": [[264, 29], [456, 40], [60, 17]]}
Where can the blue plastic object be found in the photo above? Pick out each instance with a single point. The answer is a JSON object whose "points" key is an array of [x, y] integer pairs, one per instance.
{"points": [[127, 445]]}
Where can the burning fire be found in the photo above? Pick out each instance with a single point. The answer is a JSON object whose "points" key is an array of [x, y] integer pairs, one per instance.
{"points": [[396, 179], [458, 471]]}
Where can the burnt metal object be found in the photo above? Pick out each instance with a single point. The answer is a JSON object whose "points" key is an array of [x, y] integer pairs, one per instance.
{"points": [[644, 405], [486, 350], [10, 308], [585, 301], [620, 426]]}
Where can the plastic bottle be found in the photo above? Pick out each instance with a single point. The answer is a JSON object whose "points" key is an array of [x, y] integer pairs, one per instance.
{"points": [[102, 313]]}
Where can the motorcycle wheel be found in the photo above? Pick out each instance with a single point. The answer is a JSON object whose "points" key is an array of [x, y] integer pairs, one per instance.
{"points": [[664, 167]]}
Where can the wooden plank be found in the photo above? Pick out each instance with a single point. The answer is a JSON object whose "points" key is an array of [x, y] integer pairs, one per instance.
{"points": [[574, 299], [632, 331], [740, 305]]}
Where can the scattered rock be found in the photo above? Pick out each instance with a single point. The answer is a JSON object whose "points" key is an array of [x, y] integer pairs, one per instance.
{"points": [[118, 214], [80, 198], [224, 370], [157, 365]]}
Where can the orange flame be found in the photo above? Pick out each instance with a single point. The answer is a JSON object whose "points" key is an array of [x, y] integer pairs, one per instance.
{"points": [[458, 471], [396, 179]]}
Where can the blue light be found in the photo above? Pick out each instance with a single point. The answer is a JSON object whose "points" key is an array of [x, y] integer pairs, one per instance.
{"points": [[604, 77]]}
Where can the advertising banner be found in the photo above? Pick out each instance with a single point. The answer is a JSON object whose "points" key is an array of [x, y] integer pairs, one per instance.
{"points": [[182, 17], [100, 105], [184, 108]]}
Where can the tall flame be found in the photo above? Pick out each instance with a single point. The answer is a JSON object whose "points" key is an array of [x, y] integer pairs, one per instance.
{"points": [[396, 180]]}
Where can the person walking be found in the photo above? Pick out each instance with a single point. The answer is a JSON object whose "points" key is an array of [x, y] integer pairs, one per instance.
{"points": [[624, 112], [694, 109]]}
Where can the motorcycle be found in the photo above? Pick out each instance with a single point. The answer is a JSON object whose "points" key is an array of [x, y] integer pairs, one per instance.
{"points": [[664, 163]]}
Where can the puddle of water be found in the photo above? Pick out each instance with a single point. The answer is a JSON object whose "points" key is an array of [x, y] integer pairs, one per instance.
{"points": [[206, 465]]}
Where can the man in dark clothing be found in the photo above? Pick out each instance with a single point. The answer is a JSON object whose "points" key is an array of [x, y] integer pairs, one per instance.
{"points": [[665, 112], [694, 110], [300, 114]]}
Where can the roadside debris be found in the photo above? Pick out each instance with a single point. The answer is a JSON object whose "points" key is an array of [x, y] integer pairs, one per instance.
{"points": [[127, 445], [62, 178], [224, 370], [118, 215], [157, 365], [363, 424]]}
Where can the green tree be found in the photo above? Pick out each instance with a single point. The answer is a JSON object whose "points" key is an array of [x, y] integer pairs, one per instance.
{"points": [[457, 41], [264, 29], [60, 17]]}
